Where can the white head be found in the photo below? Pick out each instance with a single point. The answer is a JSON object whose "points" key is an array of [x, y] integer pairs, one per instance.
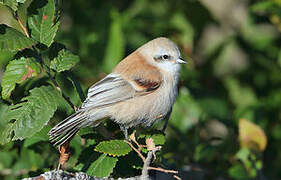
{"points": [[162, 53]]}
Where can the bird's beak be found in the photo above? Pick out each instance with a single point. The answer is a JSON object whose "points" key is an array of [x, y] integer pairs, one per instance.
{"points": [[180, 61]]}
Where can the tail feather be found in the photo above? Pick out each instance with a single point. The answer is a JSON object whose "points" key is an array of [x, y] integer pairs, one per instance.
{"points": [[69, 134], [66, 129], [66, 122]]}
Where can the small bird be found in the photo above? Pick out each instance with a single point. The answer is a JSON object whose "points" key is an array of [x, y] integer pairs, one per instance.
{"points": [[141, 89]]}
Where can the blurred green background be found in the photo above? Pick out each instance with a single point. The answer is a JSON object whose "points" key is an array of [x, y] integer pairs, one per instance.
{"points": [[233, 72]]}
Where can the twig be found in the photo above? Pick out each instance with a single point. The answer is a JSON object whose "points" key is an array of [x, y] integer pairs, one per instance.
{"points": [[133, 138], [147, 162], [176, 177], [163, 170], [137, 151]]}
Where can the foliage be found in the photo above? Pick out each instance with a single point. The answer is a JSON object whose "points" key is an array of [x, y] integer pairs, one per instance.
{"points": [[225, 123], [13, 40], [17, 71], [29, 116], [113, 147], [103, 166]]}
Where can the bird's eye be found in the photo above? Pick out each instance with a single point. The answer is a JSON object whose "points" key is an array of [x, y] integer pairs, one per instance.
{"points": [[162, 57], [165, 57]]}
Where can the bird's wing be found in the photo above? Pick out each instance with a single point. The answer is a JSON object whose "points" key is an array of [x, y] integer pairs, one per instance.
{"points": [[114, 88], [132, 77]]}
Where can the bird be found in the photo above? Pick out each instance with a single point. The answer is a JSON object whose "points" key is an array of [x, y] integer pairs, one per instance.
{"points": [[140, 90]]}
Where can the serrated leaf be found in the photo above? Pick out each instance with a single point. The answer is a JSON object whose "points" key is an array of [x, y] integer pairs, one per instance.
{"points": [[43, 24], [64, 61], [13, 4], [114, 147], [16, 72], [116, 44], [31, 114], [103, 166], [13, 40], [251, 135]]}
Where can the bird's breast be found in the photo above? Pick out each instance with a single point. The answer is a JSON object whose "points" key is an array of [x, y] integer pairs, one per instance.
{"points": [[144, 110]]}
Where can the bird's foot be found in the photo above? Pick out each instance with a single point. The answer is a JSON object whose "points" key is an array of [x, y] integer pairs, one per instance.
{"points": [[124, 129]]}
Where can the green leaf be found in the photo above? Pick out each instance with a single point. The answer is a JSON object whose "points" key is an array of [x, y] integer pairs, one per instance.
{"points": [[116, 45], [29, 160], [103, 166], [238, 172], [214, 107], [16, 72], [113, 147], [3, 109], [181, 23], [86, 157], [13, 4], [13, 40], [262, 6], [31, 114], [158, 139], [241, 96], [184, 118], [21, 1], [64, 61], [44, 24], [39, 136], [22, 12]]}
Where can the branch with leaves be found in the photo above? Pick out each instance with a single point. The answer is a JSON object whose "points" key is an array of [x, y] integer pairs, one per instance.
{"points": [[37, 62], [105, 147]]}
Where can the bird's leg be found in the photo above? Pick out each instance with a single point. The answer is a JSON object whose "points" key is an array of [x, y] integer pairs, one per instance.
{"points": [[166, 121], [124, 129]]}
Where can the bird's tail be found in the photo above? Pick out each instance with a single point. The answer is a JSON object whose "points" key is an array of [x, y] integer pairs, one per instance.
{"points": [[66, 129]]}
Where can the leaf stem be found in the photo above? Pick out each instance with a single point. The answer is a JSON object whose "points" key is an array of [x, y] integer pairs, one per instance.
{"points": [[59, 89], [76, 84], [21, 25]]}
